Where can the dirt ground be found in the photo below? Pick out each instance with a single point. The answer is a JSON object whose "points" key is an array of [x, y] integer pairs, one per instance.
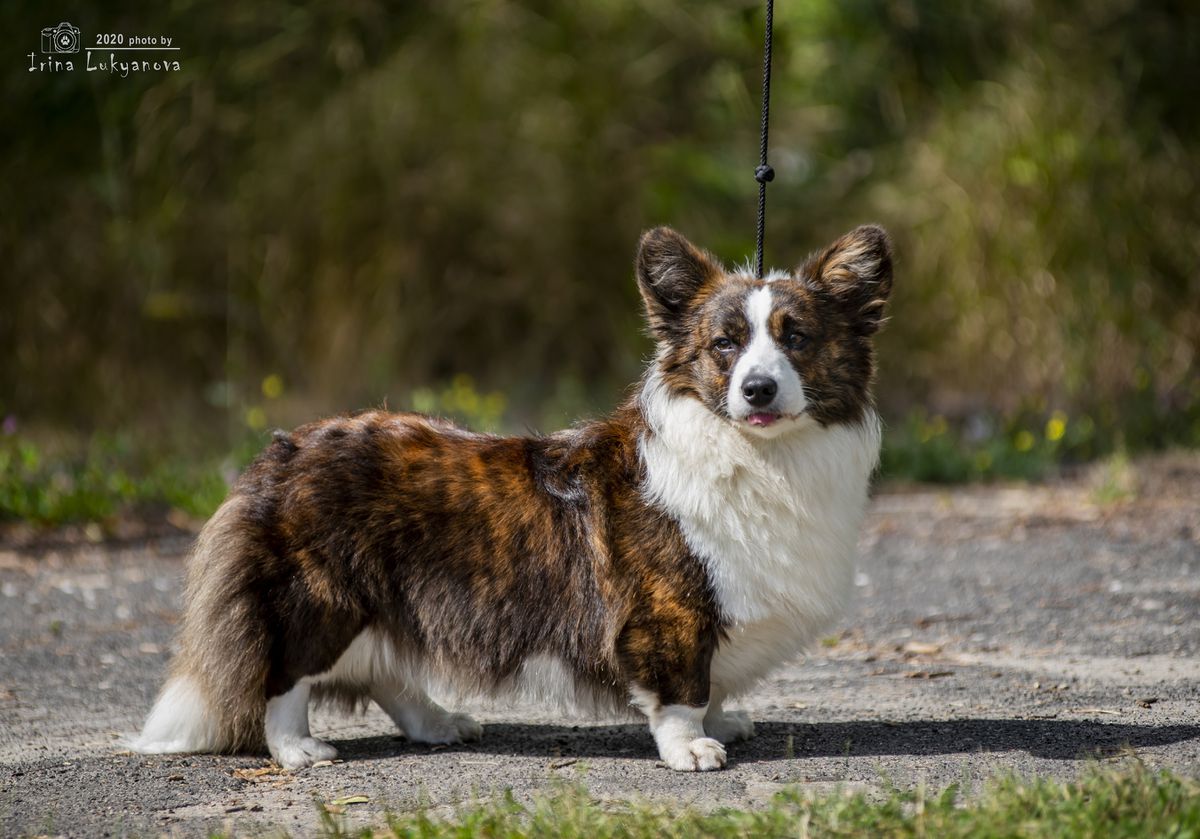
{"points": [[1001, 628]]}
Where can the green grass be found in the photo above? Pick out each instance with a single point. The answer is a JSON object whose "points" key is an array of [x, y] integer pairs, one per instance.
{"points": [[1027, 446], [1126, 801], [108, 477], [1033, 441]]}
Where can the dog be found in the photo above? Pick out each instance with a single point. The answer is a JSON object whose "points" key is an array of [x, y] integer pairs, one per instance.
{"points": [[666, 557]]}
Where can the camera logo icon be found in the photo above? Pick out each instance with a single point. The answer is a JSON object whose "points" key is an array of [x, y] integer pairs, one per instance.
{"points": [[63, 38]]}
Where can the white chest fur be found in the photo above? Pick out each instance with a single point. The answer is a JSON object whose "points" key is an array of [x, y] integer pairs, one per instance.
{"points": [[774, 520]]}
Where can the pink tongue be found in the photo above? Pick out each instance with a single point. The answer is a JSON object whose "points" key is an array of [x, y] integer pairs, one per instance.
{"points": [[761, 419]]}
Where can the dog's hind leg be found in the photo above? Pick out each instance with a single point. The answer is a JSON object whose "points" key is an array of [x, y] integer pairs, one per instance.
{"points": [[420, 718], [288, 736]]}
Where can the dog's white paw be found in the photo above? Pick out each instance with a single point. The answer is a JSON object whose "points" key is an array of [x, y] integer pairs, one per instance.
{"points": [[700, 755], [301, 752], [446, 729], [729, 726]]}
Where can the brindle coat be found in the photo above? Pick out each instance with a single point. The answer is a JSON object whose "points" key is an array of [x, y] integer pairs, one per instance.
{"points": [[475, 552]]}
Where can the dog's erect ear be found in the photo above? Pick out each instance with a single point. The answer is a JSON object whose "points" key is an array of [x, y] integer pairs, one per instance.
{"points": [[857, 268], [671, 272]]}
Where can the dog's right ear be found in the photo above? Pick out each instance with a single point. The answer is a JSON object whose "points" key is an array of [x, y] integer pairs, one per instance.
{"points": [[671, 272]]}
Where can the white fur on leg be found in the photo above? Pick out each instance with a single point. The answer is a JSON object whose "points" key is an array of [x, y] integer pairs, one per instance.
{"points": [[180, 721], [288, 737], [727, 726], [421, 719], [679, 732]]}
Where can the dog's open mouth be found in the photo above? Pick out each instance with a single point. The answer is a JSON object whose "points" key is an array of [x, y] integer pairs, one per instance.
{"points": [[762, 419], [767, 419]]}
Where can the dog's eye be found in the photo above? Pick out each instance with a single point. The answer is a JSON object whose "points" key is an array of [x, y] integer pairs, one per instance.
{"points": [[796, 340], [723, 344]]}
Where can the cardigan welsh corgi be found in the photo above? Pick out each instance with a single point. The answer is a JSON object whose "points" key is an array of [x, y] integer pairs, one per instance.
{"points": [[666, 557]]}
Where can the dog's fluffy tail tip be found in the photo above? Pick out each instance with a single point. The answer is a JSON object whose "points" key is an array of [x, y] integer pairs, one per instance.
{"points": [[181, 721], [142, 744]]}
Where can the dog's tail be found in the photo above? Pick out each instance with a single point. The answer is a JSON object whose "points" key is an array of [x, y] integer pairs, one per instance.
{"points": [[213, 699]]}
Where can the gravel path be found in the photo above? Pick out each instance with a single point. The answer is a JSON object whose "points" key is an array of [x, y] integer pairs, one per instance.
{"points": [[996, 628]]}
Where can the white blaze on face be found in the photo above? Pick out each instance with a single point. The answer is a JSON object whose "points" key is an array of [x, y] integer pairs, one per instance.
{"points": [[764, 357]]}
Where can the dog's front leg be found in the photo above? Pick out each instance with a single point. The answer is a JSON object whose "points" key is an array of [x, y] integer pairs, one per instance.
{"points": [[679, 733], [670, 686], [726, 726]]}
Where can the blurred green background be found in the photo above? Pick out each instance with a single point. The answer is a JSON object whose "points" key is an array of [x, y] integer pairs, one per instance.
{"points": [[435, 204]]}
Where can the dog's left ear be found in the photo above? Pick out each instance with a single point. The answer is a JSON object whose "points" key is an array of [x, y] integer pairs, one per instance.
{"points": [[857, 268], [671, 272]]}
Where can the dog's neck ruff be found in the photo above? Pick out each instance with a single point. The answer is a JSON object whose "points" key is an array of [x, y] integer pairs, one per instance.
{"points": [[775, 521]]}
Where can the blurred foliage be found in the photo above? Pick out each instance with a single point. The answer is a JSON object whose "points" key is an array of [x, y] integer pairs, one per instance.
{"points": [[1024, 446], [338, 205], [109, 477], [462, 401]]}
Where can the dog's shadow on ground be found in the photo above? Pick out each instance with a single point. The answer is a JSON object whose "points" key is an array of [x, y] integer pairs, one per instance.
{"points": [[1054, 739]]}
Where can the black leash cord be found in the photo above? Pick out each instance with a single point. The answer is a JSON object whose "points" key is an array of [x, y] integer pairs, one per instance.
{"points": [[764, 174]]}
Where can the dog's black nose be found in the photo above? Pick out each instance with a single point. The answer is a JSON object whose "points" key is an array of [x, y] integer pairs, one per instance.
{"points": [[759, 390]]}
